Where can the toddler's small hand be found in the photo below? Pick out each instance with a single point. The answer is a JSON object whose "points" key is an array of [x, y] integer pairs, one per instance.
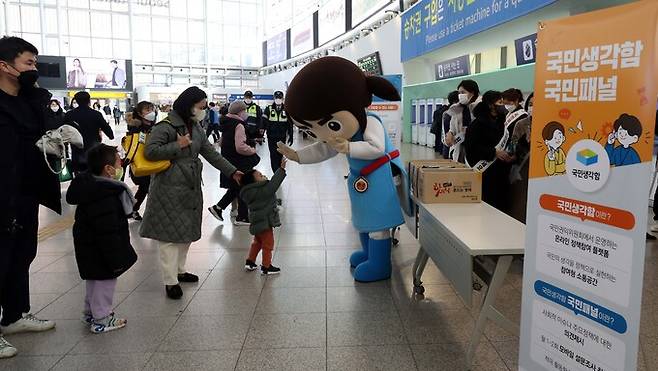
{"points": [[284, 161]]}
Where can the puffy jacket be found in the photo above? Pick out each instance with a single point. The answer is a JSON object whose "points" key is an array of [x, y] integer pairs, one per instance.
{"points": [[100, 233], [261, 200]]}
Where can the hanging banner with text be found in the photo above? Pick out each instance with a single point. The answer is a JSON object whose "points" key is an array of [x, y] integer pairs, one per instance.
{"points": [[432, 24], [590, 172], [390, 112]]}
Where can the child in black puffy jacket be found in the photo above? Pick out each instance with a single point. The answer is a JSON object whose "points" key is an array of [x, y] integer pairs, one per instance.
{"points": [[100, 234]]}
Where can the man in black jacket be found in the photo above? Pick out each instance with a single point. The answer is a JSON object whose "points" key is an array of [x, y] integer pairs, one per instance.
{"points": [[90, 123], [25, 183]]}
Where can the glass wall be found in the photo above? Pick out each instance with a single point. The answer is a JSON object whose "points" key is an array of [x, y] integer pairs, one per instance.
{"points": [[181, 32]]}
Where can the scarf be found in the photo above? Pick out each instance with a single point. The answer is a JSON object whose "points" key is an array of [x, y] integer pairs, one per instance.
{"points": [[126, 197]]}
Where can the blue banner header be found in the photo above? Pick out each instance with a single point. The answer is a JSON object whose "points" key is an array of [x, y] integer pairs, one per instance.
{"points": [[432, 24]]}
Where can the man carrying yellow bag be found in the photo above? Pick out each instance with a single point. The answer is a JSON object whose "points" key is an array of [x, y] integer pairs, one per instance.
{"points": [[134, 143]]}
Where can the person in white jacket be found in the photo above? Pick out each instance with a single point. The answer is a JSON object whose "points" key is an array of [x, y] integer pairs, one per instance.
{"points": [[469, 97]]}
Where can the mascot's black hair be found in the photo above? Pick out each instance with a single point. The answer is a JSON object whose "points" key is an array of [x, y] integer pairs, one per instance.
{"points": [[331, 84]]}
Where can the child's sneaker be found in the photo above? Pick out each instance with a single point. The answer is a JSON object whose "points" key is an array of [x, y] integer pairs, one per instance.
{"points": [[269, 270], [107, 324], [87, 318], [250, 266], [6, 349], [216, 211]]}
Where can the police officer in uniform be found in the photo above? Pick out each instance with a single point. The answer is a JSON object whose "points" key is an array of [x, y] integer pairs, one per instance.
{"points": [[254, 122], [279, 128]]}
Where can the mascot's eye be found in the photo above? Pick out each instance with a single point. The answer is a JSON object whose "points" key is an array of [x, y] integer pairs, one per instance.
{"points": [[334, 125]]}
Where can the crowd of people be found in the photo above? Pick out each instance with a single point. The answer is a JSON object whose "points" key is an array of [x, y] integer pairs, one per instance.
{"points": [[105, 204], [490, 132]]}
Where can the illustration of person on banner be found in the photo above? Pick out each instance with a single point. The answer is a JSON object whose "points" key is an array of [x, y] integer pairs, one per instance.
{"points": [[555, 161], [486, 142], [627, 131], [328, 99]]}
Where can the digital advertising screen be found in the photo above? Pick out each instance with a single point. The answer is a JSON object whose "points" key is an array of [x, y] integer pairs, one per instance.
{"points": [[301, 37], [95, 73], [277, 48], [363, 9], [370, 64], [331, 20]]}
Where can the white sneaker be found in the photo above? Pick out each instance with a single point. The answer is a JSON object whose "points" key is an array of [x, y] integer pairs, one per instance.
{"points": [[234, 213], [6, 349], [29, 323], [654, 228]]}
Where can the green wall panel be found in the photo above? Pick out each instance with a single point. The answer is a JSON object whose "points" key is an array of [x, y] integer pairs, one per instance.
{"points": [[522, 77]]}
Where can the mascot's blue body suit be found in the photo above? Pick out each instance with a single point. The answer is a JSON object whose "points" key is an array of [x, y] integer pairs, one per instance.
{"points": [[328, 99]]}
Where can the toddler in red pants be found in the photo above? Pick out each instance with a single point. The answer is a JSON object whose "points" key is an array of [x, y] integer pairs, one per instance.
{"points": [[259, 194]]}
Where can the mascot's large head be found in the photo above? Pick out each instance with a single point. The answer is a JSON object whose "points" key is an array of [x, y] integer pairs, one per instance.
{"points": [[328, 98]]}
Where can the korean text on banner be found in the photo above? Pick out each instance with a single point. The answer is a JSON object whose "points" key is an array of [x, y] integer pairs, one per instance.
{"points": [[590, 168], [432, 24]]}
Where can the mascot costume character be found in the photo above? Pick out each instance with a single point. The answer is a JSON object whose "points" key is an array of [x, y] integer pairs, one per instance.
{"points": [[328, 99]]}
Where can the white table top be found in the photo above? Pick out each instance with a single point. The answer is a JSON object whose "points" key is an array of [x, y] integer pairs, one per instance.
{"points": [[483, 229]]}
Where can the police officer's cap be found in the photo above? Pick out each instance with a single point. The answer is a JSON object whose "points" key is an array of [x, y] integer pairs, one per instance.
{"points": [[278, 94], [248, 94]]}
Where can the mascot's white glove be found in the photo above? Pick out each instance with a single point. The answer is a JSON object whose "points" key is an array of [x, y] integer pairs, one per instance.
{"points": [[285, 150], [340, 145]]}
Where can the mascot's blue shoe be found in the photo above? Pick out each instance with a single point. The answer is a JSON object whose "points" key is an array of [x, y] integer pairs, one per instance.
{"points": [[360, 256], [378, 265]]}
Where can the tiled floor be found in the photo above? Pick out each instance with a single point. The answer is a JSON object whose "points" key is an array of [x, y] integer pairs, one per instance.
{"points": [[311, 317]]}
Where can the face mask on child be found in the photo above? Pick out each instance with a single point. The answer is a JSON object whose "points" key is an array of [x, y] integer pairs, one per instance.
{"points": [[118, 173], [150, 116]]}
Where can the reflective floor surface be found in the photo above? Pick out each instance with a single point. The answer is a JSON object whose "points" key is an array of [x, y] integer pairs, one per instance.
{"points": [[311, 317]]}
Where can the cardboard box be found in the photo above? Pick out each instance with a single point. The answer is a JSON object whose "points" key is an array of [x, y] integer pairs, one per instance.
{"points": [[415, 165], [448, 185]]}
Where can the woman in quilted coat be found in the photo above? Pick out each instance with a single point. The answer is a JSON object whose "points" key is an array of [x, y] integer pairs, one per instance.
{"points": [[175, 204]]}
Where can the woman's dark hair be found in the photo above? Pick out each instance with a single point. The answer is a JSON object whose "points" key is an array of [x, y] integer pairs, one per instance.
{"points": [[489, 99], [331, 84], [513, 95], [453, 97], [141, 106], [549, 130], [79, 65], [55, 101], [470, 86], [248, 177], [99, 156], [184, 103], [532, 95]]}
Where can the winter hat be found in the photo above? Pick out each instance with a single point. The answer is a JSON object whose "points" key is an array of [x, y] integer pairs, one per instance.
{"points": [[237, 107]]}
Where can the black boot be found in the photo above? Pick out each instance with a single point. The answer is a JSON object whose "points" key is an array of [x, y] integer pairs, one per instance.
{"points": [[174, 292]]}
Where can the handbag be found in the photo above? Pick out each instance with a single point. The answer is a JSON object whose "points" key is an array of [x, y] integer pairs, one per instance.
{"points": [[134, 145], [53, 143]]}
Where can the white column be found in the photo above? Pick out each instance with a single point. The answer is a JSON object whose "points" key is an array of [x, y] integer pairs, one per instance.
{"points": [[42, 20], [4, 15], [131, 27], [206, 43]]}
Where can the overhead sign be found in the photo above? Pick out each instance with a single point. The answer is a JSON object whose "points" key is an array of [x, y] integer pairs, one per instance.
{"points": [[362, 9], [278, 16], [370, 64], [277, 48], [331, 20], [301, 37], [455, 67], [590, 173], [432, 24], [526, 49]]}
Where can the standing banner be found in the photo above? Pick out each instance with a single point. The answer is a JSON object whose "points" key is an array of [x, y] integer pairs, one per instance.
{"points": [[390, 112], [590, 168]]}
